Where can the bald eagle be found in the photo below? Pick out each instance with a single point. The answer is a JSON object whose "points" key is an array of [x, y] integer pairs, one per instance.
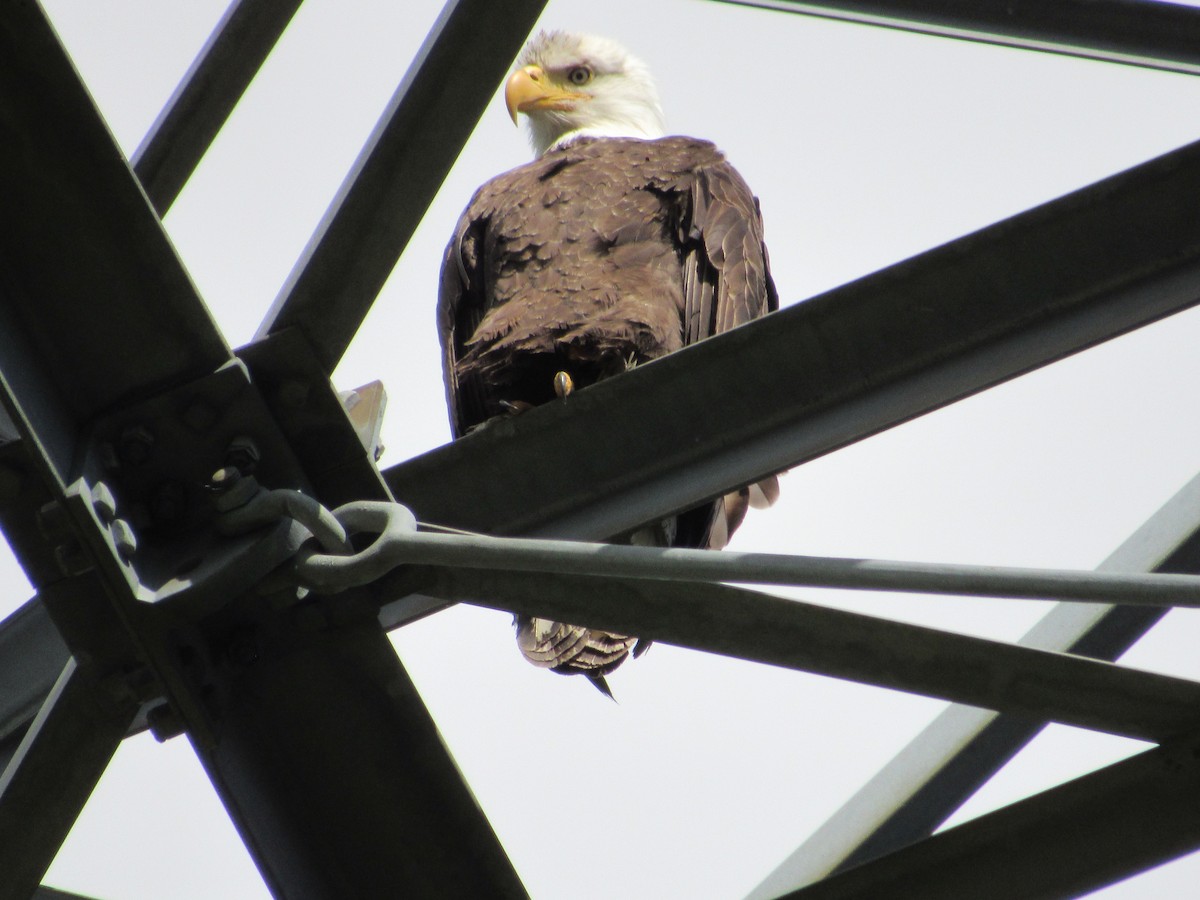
{"points": [[615, 246]]}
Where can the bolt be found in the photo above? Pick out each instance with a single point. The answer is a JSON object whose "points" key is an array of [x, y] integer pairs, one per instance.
{"points": [[135, 444], [242, 453], [293, 393], [53, 522], [164, 723], [224, 479], [104, 503], [71, 558], [123, 538], [232, 489], [107, 454]]}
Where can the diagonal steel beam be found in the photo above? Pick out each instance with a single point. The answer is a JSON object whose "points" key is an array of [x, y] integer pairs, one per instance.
{"points": [[96, 307], [218, 77], [1062, 843], [32, 656], [99, 328], [49, 893], [55, 768], [335, 774], [827, 372], [398, 172], [762, 628], [961, 749], [1133, 32]]}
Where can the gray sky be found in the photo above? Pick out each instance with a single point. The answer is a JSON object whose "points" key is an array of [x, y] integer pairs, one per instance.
{"points": [[866, 146]]}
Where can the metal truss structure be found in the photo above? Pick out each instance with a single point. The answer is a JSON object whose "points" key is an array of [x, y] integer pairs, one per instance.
{"points": [[120, 401]]}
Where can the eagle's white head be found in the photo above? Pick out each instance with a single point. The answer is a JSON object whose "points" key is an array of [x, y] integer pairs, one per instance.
{"points": [[580, 85]]}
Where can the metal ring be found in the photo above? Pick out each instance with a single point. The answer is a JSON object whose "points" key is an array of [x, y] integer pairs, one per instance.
{"points": [[395, 526]]}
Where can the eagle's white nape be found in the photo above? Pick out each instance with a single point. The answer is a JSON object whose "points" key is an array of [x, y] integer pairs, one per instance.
{"points": [[623, 99]]}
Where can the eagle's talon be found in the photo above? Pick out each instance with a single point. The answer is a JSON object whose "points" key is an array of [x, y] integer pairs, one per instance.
{"points": [[515, 407], [563, 385]]}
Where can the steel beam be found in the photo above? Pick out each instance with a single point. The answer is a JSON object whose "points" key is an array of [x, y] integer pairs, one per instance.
{"points": [[964, 747], [49, 893], [397, 174], [59, 761], [206, 96], [335, 774], [96, 307], [821, 374], [99, 328], [32, 656], [1133, 32], [762, 628], [1062, 843]]}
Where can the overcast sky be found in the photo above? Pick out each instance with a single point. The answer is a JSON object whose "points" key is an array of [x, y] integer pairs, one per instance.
{"points": [[866, 146]]}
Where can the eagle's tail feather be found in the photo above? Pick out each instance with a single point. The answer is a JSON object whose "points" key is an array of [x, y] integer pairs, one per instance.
{"points": [[601, 685]]}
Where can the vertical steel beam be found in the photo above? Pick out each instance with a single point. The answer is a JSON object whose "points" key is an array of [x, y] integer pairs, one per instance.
{"points": [[53, 772], [207, 95]]}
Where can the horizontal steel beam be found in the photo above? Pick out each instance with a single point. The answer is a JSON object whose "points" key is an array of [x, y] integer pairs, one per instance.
{"points": [[773, 630], [1133, 32], [44, 786], [398, 173], [1062, 843], [206, 96], [960, 750], [827, 372]]}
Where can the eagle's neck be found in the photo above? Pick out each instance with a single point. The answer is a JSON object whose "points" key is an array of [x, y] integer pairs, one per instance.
{"points": [[607, 117], [604, 131]]}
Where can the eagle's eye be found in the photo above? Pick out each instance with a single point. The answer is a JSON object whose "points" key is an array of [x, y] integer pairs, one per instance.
{"points": [[580, 75]]}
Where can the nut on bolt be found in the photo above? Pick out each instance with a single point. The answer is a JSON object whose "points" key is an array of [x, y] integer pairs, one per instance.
{"points": [[242, 454], [123, 539], [104, 503]]}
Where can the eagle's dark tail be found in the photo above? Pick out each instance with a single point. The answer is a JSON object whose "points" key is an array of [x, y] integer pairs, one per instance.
{"points": [[601, 685], [572, 649]]}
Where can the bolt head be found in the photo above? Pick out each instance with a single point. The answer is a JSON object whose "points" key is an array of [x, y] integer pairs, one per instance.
{"points": [[104, 502], [123, 539], [242, 454], [135, 444]]}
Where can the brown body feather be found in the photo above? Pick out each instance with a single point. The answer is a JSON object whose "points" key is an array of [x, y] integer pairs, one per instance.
{"points": [[594, 257]]}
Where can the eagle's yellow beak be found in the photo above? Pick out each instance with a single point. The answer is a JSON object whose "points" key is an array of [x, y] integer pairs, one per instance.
{"points": [[529, 88]]}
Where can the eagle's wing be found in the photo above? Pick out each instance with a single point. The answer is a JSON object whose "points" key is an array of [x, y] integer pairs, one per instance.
{"points": [[726, 282], [726, 274], [461, 306]]}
